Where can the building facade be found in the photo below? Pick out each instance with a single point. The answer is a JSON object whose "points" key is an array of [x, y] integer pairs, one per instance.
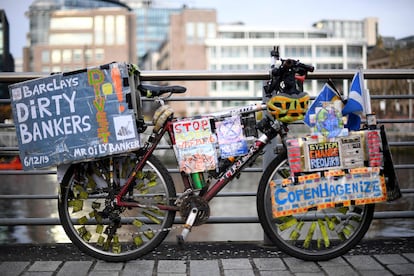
{"points": [[366, 29], [239, 47], [197, 42], [185, 49], [83, 38], [73, 27], [392, 54]]}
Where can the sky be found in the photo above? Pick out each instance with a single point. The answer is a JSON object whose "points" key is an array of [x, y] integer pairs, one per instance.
{"points": [[395, 17]]}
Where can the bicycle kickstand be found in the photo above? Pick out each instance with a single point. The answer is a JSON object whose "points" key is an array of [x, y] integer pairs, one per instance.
{"points": [[187, 226]]}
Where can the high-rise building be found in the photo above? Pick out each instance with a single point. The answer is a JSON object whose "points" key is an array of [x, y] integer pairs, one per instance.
{"points": [[151, 23], [6, 65], [84, 38], [152, 26], [46, 17], [6, 59], [185, 48]]}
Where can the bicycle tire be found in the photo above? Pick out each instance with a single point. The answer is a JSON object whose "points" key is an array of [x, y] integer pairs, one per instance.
{"points": [[317, 235], [104, 230]]}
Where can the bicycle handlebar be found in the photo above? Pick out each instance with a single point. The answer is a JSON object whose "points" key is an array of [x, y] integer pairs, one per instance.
{"points": [[287, 74]]}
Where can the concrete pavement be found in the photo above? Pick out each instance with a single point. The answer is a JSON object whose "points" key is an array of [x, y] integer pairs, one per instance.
{"points": [[379, 257]]}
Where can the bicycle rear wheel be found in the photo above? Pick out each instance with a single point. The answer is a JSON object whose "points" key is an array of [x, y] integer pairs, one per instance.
{"points": [[104, 230], [316, 235]]}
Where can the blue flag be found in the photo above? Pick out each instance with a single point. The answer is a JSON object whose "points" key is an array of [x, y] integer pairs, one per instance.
{"points": [[355, 104], [327, 94]]}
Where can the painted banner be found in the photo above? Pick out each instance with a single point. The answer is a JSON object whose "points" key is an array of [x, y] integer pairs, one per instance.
{"points": [[195, 145], [74, 116], [359, 186]]}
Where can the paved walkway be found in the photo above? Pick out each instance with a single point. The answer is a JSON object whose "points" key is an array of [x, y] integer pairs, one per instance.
{"points": [[210, 259]]}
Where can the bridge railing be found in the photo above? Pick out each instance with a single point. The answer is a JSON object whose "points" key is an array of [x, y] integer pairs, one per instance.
{"points": [[7, 130]]}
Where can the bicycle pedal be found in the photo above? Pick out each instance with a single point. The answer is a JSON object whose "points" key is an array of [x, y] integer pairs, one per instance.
{"points": [[180, 240], [188, 225]]}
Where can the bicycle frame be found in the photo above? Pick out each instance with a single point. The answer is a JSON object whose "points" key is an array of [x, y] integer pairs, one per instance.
{"points": [[230, 172]]}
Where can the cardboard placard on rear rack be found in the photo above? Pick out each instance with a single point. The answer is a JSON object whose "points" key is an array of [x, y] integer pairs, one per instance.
{"points": [[75, 116]]}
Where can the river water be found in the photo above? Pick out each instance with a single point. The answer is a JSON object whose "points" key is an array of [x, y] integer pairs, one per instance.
{"points": [[220, 207]]}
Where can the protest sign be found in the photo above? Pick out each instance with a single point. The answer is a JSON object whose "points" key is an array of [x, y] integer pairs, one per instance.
{"points": [[74, 116], [358, 186], [195, 145]]}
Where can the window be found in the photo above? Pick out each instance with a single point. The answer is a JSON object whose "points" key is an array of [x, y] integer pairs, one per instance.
{"points": [[99, 30], [234, 67], [70, 39], [67, 55], [109, 30], [354, 51], [354, 65], [121, 30], [88, 55], [190, 32], [232, 35], [298, 51], [234, 51], [211, 30], [56, 57], [329, 51], [99, 54], [77, 55], [261, 35], [45, 56], [328, 66], [291, 35], [235, 85], [261, 51], [71, 23], [201, 30]]}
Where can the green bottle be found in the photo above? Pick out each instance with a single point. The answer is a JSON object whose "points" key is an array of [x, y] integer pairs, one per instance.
{"points": [[198, 180]]}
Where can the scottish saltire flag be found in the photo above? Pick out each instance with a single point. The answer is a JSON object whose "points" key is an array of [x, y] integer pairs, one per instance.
{"points": [[355, 104], [327, 94]]}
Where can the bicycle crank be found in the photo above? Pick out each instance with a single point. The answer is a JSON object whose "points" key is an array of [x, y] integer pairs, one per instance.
{"points": [[195, 211]]}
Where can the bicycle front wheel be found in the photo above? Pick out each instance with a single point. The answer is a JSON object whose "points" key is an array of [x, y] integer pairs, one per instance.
{"points": [[315, 235], [101, 228]]}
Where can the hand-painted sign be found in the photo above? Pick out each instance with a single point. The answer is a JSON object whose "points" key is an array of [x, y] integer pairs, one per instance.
{"points": [[309, 154], [231, 139], [195, 145], [360, 185], [324, 155], [73, 116]]}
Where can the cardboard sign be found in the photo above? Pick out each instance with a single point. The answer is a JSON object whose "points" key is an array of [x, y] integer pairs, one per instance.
{"points": [[310, 154], [195, 145], [231, 139], [359, 186], [74, 116]]}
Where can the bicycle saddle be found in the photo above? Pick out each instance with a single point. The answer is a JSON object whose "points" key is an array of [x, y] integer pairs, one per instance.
{"points": [[150, 90]]}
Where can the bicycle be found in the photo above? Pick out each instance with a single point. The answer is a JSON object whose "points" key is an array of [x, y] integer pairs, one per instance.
{"points": [[121, 207]]}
